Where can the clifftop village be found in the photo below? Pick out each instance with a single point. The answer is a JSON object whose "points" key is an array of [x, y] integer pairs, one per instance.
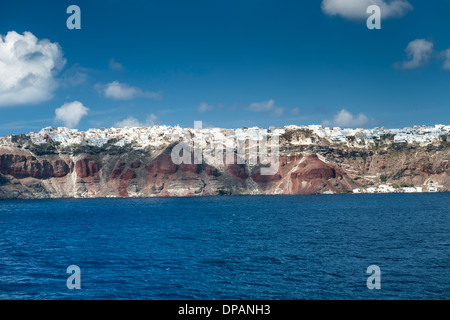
{"points": [[141, 137], [159, 136]]}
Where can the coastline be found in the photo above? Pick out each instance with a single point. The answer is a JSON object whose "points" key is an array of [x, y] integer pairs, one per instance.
{"points": [[222, 196], [304, 160]]}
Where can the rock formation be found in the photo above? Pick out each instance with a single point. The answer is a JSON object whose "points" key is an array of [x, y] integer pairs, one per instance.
{"points": [[309, 164]]}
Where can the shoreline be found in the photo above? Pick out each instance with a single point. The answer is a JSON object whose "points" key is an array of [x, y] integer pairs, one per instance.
{"points": [[222, 196]]}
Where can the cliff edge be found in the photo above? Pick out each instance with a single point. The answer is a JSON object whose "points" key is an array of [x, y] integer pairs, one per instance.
{"points": [[41, 166]]}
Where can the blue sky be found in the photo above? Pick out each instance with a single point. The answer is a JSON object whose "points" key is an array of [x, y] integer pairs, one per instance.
{"points": [[230, 64]]}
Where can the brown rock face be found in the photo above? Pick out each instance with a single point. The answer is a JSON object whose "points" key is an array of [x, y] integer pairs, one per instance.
{"points": [[211, 171], [162, 165], [313, 168], [20, 166], [189, 168], [315, 176], [259, 178], [303, 169], [136, 164], [86, 168], [237, 170], [61, 168], [118, 170], [128, 175], [303, 175]]}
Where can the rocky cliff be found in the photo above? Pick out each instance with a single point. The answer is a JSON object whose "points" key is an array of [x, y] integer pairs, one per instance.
{"points": [[309, 164]]}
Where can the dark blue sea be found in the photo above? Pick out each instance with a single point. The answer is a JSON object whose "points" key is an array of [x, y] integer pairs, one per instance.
{"points": [[244, 247]]}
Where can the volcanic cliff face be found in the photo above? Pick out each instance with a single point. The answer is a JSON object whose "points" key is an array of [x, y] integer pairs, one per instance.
{"points": [[307, 165]]}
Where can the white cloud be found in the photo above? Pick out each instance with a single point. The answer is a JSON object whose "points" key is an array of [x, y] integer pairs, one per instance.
{"points": [[295, 111], [151, 119], [262, 106], [26, 124], [128, 122], [133, 122], [345, 119], [278, 111], [419, 52], [75, 76], [446, 55], [268, 105], [71, 113], [203, 107], [121, 91], [114, 65], [27, 69], [357, 9]]}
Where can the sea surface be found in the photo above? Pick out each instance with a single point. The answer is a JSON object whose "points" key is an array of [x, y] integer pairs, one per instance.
{"points": [[243, 247]]}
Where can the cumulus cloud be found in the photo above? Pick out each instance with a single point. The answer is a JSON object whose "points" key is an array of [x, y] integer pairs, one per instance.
{"points": [[27, 69], [295, 111], [128, 122], [204, 107], [278, 111], [121, 91], [114, 65], [133, 122], [345, 119], [151, 119], [446, 55], [71, 113], [268, 105], [262, 106], [357, 9], [419, 52], [75, 76]]}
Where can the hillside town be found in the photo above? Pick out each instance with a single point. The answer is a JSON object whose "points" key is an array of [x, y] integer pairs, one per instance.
{"points": [[142, 137], [422, 135], [428, 145], [156, 136], [393, 188]]}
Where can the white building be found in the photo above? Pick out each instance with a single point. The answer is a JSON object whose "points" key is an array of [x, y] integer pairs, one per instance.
{"points": [[384, 188]]}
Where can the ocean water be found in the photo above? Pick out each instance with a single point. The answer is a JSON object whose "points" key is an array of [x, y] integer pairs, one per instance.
{"points": [[245, 247]]}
